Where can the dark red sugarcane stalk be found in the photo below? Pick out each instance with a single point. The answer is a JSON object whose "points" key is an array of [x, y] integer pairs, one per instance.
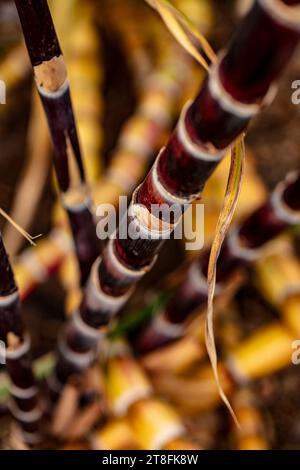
{"points": [[237, 87], [242, 246], [53, 86], [25, 405]]}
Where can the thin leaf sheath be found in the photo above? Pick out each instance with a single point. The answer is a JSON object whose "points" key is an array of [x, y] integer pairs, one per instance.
{"points": [[25, 406], [205, 130], [242, 246], [53, 86]]}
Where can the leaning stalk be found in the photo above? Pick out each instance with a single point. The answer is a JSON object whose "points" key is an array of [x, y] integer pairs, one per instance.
{"points": [[242, 246], [25, 405], [53, 86], [232, 94]]}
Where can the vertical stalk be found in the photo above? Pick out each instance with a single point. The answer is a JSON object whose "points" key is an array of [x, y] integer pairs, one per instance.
{"points": [[53, 86], [25, 406]]}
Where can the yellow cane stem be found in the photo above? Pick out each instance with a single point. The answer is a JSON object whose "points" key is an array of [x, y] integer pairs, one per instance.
{"points": [[155, 424], [264, 353], [252, 435], [116, 435], [126, 384], [277, 275], [290, 311]]}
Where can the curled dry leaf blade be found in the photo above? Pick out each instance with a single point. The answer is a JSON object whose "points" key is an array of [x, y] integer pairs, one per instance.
{"points": [[225, 218], [181, 28]]}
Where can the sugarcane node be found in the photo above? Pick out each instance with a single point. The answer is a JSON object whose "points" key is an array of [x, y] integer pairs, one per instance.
{"points": [[51, 75], [13, 341]]}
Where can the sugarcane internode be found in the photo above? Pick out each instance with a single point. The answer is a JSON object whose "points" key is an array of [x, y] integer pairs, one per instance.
{"points": [[53, 86], [238, 86], [25, 405]]}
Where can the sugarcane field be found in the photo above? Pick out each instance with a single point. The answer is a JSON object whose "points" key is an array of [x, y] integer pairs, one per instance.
{"points": [[149, 228]]}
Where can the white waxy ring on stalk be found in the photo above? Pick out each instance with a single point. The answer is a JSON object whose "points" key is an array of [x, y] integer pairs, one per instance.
{"points": [[129, 397], [130, 274], [288, 15], [82, 360], [21, 350], [162, 325], [7, 300], [280, 208], [193, 149], [238, 250], [26, 416], [97, 299], [84, 328], [166, 435], [168, 197], [231, 105], [23, 393]]}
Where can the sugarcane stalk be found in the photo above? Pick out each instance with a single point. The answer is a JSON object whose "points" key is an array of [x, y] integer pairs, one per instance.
{"points": [[277, 274], [252, 434], [277, 277], [116, 435], [243, 245], [218, 115], [81, 45], [53, 87], [25, 405], [36, 266], [139, 139], [154, 423], [265, 352]]}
